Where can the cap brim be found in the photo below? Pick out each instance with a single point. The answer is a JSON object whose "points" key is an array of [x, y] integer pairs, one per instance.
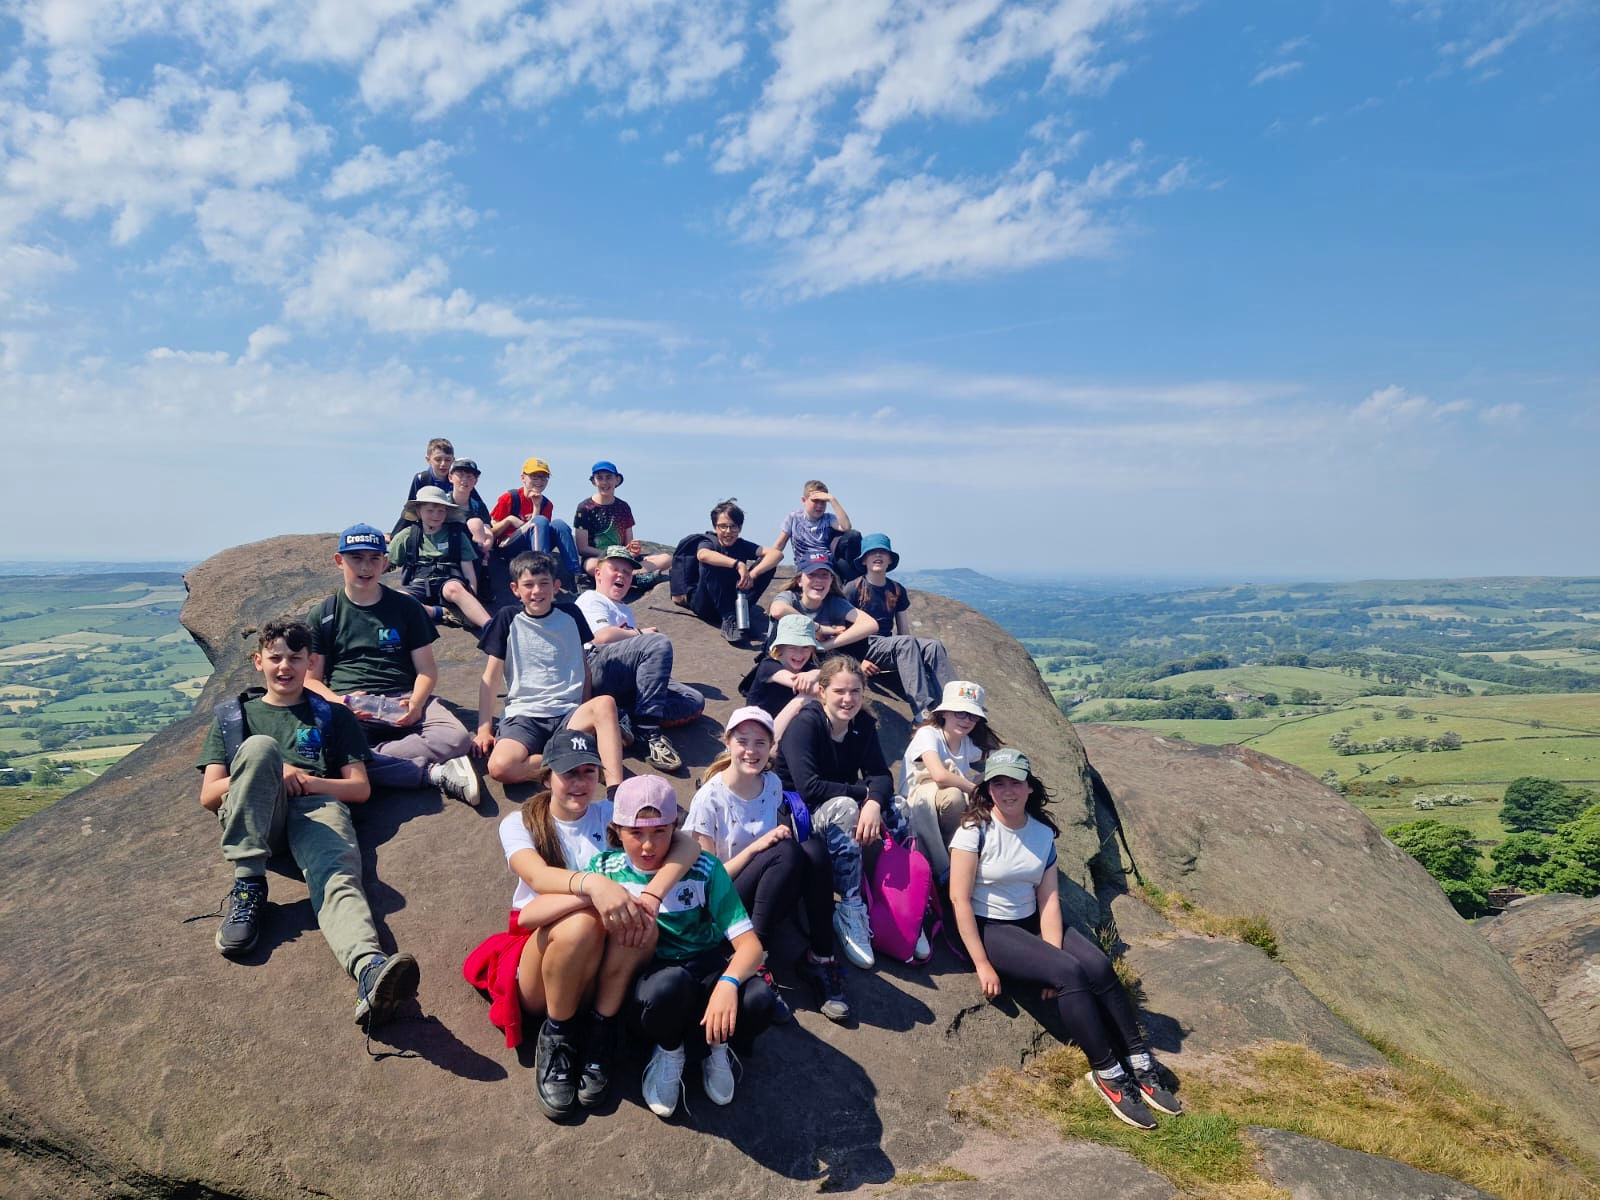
{"points": [[1007, 772]]}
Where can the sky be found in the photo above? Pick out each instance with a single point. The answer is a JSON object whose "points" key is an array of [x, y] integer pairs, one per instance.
{"points": [[1066, 286]]}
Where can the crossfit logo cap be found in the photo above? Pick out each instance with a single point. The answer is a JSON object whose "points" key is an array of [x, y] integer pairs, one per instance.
{"points": [[362, 537]]}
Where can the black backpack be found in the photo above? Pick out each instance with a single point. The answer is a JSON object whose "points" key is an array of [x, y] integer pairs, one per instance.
{"points": [[230, 718], [460, 546], [686, 563]]}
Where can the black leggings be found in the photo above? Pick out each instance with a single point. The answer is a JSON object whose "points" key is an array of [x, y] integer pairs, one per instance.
{"points": [[1093, 1007], [670, 998], [783, 873]]}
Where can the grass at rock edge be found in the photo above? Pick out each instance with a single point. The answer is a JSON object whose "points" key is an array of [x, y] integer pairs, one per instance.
{"points": [[1409, 1110]]}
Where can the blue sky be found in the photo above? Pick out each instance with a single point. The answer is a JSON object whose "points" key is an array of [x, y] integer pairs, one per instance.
{"points": [[1088, 286]]}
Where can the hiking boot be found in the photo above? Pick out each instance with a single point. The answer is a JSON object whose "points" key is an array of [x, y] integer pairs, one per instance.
{"points": [[594, 1075], [237, 933], [383, 985], [1123, 1098], [716, 1073], [458, 781], [853, 931], [1156, 1094], [663, 1081], [782, 1014], [555, 1074], [828, 978], [660, 753]]}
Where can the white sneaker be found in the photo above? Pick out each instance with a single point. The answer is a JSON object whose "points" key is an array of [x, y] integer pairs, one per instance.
{"points": [[923, 952], [854, 932], [458, 781], [663, 1081], [717, 1073]]}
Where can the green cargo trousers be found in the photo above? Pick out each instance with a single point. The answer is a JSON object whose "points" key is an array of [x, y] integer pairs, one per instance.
{"points": [[259, 819]]}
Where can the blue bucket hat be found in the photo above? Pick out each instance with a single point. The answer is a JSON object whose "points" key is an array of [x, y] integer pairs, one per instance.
{"points": [[877, 541], [605, 465], [362, 537]]}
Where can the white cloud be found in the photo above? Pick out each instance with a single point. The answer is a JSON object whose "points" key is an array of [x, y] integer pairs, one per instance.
{"points": [[24, 267], [372, 169], [263, 341], [1276, 71], [1502, 414], [143, 156], [260, 235], [1394, 406]]}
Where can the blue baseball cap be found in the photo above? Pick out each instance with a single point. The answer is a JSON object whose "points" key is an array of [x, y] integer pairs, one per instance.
{"points": [[363, 537], [605, 465]]}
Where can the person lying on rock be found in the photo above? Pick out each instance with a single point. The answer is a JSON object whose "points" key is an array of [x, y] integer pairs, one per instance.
{"points": [[1007, 908], [281, 770], [572, 933], [371, 644], [703, 985]]}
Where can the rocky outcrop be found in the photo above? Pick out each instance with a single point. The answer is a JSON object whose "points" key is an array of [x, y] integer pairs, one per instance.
{"points": [[134, 1061], [1553, 944], [1314, 1170], [1357, 920]]}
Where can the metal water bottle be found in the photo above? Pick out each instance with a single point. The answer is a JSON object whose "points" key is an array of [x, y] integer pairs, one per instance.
{"points": [[741, 612]]}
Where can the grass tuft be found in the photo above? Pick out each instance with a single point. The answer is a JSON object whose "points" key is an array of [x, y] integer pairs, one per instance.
{"points": [[1409, 1110], [943, 1173], [1185, 914]]}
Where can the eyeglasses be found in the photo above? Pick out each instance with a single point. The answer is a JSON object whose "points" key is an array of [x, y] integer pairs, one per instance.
{"points": [[727, 528]]}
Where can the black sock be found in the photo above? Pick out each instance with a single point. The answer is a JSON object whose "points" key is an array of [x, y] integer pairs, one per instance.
{"points": [[556, 1028]]}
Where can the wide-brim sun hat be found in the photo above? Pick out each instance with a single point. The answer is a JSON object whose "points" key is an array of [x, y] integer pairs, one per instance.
{"points": [[962, 696], [605, 465], [431, 495], [796, 629]]}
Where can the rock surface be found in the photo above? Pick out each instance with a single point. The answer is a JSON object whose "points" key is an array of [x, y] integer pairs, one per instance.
{"points": [[1357, 920], [133, 1058], [1314, 1170], [1553, 944]]}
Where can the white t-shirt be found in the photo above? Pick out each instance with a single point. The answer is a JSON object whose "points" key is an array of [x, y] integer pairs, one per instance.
{"points": [[730, 822], [580, 841], [1010, 866], [603, 613], [931, 737]]}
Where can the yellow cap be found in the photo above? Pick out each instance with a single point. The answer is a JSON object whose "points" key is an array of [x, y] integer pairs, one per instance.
{"points": [[536, 466]]}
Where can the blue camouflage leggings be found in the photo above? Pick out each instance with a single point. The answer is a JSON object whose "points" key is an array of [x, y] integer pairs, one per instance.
{"points": [[836, 821]]}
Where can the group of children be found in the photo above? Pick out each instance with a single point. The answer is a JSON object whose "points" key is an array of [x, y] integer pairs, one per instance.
{"points": [[619, 916]]}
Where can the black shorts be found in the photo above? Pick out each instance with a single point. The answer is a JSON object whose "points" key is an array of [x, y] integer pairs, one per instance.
{"points": [[430, 589], [532, 733]]}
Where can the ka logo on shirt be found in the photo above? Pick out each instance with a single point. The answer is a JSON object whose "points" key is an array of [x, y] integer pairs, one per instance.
{"points": [[388, 639]]}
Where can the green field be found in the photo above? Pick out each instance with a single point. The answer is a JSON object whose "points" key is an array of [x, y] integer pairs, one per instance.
{"points": [[90, 666]]}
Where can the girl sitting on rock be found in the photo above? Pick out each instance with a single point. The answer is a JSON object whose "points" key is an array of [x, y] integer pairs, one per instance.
{"points": [[740, 815], [1006, 906], [571, 933], [941, 769]]}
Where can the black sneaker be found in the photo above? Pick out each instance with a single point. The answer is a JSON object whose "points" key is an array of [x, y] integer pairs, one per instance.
{"points": [[1156, 1094], [731, 632], [1123, 1098], [828, 979], [385, 983], [237, 933], [555, 1074], [594, 1075]]}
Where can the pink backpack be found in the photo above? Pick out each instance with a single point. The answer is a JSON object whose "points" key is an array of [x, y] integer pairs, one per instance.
{"points": [[897, 899]]}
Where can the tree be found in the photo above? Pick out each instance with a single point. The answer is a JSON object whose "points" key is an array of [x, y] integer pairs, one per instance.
{"points": [[1448, 740], [1521, 860], [1575, 856], [1538, 805], [46, 775], [1446, 852]]}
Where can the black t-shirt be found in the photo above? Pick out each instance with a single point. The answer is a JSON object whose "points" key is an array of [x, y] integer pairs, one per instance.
{"points": [[742, 550], [764, 693], [372, 644]]}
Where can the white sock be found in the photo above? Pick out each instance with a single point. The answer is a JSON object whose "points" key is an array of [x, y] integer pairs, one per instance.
{"points": [[434, 771], [1114, 1071], [1141, 1062]]}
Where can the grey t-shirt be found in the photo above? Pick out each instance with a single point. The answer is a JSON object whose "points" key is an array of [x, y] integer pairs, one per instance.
{"points": [[543, 657]]}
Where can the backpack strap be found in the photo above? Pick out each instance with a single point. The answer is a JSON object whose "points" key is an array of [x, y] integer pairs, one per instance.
{"points": [[326, 620], [230, 719], [1102, 796]]}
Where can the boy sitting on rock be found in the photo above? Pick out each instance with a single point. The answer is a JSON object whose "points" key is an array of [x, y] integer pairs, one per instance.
{"points": [[281, 769], [811, 530], [436, 557], [634, 665], [368, 640], [604, 520]]}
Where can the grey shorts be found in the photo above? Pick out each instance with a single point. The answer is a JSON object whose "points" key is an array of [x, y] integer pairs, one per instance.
{"points": [[532, 733]]}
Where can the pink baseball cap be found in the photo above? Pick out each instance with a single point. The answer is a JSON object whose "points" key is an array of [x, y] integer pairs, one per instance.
{"points": [[750, 713], [644, 791]]}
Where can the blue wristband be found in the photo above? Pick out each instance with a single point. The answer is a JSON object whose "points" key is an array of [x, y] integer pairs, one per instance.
{"points": [[729, 979]]}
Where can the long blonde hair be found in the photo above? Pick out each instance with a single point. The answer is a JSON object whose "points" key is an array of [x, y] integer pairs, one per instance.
{"points": [[536, 819]]}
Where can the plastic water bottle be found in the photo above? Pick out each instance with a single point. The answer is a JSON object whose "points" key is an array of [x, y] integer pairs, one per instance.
{"points": [[377, 708]]}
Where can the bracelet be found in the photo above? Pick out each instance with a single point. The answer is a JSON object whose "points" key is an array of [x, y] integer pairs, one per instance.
{"points": [[728, 979]]}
